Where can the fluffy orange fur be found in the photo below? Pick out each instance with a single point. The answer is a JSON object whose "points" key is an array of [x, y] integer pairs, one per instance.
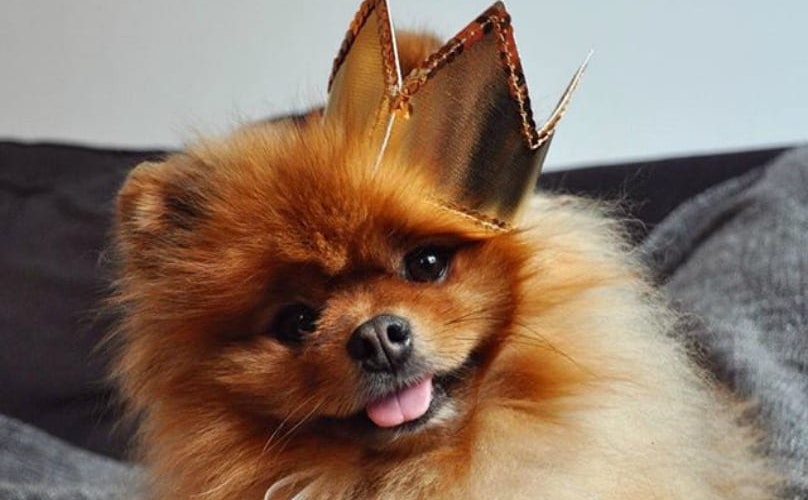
{"points": [[567, 383]]}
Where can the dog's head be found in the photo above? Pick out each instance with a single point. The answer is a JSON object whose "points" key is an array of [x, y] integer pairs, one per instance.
{"points": [[275, 275]]}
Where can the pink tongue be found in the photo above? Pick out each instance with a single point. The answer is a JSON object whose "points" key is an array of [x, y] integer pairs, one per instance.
{"points": [[405, 405]]}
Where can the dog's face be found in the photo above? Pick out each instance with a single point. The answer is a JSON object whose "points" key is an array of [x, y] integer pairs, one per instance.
{"points": [[281, 278]]}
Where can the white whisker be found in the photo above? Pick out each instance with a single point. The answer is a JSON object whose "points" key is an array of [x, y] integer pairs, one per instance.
{"points": [[283, 423]]}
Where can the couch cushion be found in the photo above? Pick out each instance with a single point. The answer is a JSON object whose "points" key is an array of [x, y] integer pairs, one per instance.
{"points": [[55, 206]]}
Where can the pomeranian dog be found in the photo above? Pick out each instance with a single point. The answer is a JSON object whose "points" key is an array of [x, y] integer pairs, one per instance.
{"points": [[304, 317]]}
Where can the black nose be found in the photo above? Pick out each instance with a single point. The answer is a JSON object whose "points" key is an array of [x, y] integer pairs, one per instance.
{"points": [[381, 344]]}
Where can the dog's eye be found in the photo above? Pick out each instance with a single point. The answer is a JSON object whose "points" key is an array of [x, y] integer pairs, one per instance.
{"points": [[427, 264], [293, 322]]}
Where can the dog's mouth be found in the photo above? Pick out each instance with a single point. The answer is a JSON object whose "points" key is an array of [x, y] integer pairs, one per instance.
{"points": [[408, 404], [415, 405], [409, 407]]}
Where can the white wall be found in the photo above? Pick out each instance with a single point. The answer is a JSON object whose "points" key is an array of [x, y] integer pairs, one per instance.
{"points": [[668, 77]]}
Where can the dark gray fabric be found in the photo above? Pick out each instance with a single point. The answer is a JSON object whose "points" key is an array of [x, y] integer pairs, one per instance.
{"points": [[56, 206], [736, 259], [35, 465]]}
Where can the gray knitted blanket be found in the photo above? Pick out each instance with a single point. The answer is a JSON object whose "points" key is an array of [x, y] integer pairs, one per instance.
{"points": [[37, 466], [734, 259]]}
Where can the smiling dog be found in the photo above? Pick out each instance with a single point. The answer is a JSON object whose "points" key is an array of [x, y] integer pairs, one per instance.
{"points": [[366, 302]]}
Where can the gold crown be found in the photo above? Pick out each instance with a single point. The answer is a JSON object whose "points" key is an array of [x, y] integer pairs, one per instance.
{"points": [[463, 112]]}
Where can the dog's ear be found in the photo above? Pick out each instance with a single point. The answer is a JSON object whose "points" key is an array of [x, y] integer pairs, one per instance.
{"points": [[160, 203]]}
